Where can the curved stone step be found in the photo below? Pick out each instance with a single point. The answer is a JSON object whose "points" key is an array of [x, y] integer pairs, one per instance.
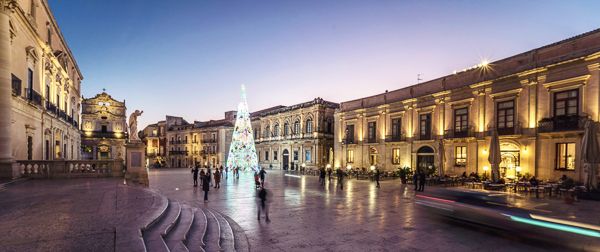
{"points": [[195, 238], [212, 237], [226, 238], [241, 240], [153, 236], [178, 234]]}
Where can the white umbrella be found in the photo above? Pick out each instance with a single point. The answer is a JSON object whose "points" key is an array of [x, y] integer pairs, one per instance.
{"points": [[494, 158], [590, 153]]}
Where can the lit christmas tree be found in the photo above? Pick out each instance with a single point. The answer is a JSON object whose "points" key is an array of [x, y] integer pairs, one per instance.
{"points": [[242, 153]]}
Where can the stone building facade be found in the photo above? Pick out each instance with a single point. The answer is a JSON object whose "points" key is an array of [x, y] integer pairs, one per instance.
{"points": [[538, 102], [295, 136], [40, 87], [202, 142], [103, 128], [154, 135]]}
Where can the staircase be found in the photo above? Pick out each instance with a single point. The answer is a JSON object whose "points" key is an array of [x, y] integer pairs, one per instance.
{"points": [[182, 228]]}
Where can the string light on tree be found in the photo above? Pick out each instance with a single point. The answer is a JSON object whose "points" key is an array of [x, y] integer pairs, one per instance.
{"points": [[242, 152]]}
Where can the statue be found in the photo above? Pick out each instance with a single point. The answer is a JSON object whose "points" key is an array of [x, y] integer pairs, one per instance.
{"points": [[133, 136]]}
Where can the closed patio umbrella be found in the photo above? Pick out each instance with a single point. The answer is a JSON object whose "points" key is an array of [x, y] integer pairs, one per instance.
{"points": [[590, 154], [494, 156]]}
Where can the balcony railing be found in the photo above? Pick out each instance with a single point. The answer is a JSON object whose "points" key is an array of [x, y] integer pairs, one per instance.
{"points": [[348, 141], [462, 133], [70, 168], [33, 97], [51, 108], [178, 153], [423, 137], [372, 140], [562, 123], [100, 134], [395, 138]]}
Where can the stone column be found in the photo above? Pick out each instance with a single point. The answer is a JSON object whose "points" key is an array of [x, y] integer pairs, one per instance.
{"points": [[6, 157]]}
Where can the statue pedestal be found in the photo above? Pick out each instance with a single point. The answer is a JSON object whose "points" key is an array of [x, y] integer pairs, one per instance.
{"points": [[136, 165]]}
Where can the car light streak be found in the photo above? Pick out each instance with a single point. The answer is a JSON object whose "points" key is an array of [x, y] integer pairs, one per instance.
{"points": [[436, 199], [565, 222], [294, 176], [555, 226]]}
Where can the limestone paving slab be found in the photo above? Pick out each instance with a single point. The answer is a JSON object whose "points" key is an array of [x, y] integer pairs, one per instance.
{"points": [[308, 217]]}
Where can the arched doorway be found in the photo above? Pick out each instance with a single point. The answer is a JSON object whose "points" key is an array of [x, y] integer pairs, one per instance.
{"points": [[510, 154], [425, 158], [372, 156], [285, 159]]}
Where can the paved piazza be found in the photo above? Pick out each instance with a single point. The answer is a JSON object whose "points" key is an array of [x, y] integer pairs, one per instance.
{"points": [[308, 217]]}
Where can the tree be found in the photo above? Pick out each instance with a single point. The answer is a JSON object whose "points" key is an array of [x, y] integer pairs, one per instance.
{"points": [[242, 152]]}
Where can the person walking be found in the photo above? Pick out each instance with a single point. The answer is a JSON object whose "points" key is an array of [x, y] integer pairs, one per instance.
{"points": [[329, 172], [340, 176], [195, 175], [416, 180], [322, 176], [206, 187], [422, 179], [262, 174], [263, 200], [225, 171], [209, 175], [217, 178], [202, 174], [377, 174]]}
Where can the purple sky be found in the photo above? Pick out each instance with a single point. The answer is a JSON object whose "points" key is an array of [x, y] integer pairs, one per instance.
{"points": [[189, 58]]}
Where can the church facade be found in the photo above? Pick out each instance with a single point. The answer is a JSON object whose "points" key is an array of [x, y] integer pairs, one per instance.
{"points": [[103, 128]]}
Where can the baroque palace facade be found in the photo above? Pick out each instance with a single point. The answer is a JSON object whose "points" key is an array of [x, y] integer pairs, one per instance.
{"points": [[295, 136], [538, 102], [40, 87], [104, 128]]}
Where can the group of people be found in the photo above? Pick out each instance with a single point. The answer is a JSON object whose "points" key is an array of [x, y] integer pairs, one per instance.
{"points": [[419, 179], [206, 178]]}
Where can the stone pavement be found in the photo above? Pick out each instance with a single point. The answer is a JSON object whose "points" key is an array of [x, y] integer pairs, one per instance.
{"points": [[93, 214], [308, 217]]}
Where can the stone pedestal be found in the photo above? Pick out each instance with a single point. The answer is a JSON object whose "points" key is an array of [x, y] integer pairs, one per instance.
{"points": [[9, 170], [135, 161]]}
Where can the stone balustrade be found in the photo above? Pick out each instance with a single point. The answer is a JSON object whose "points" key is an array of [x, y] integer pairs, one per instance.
{"points": [[70, 168]]}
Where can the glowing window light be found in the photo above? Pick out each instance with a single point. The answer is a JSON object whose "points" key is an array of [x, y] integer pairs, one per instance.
{"points": [[555, 226]]}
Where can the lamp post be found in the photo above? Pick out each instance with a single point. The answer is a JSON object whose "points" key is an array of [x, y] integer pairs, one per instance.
{"points": [[518, 174], [485, 169]]}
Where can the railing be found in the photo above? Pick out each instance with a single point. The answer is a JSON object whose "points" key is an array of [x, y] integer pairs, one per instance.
{"points": [[51, 108], [33, 97], [178, 153], [209, 140], [371, 140], [562, 123], [462, 133], [397, 138], [348, 141], [423, 137], [70, 168], [101, 134], [178, 142]]}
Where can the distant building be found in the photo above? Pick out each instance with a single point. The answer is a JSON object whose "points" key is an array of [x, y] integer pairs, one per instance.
{"points": [[183, 144], [537, 101], [290, 137], [104, 128], [39, 89]]}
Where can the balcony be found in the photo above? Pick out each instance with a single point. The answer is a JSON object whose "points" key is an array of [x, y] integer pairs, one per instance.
{"points": [[462, 133], [562, 123], [178, 153], [16, 86], [100, 134], [392, 138], [348, 141], [51, 108], [371, 140], [33, 97], [423, 137], [62, 115]]}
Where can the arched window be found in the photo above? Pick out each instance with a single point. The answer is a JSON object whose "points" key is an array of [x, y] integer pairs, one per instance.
{"points": [[276, 130], [309, 126], [286, 129], [267, 131], [296, 127]]}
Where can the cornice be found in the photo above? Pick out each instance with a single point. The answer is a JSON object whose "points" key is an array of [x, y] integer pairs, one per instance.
{"points": [[581, 80]]}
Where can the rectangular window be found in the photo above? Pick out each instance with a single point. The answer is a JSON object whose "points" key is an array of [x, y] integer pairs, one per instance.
{"points": [[396, 128], [566, 103], [307, 156], [296, 155], [266, 155], [396, 156], [505, 121], [275, 155], [565, 156], [425, 126], [350, 156], [349, 134], [460, 156], [372, 132], [461, 120], [104, 129]]}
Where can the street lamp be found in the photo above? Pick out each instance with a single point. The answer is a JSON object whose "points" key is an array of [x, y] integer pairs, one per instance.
{"points": [[485, 169]]}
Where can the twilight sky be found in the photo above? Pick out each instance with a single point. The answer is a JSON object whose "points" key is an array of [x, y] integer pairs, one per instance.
{"points": [[189, 58]]}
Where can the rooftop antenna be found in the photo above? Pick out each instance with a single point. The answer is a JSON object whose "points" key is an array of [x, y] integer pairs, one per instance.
{"points": [[419, 78]]}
